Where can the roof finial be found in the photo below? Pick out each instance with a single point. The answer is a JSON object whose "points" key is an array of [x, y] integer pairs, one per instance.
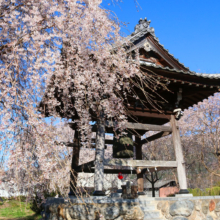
{"points": [[143, 24]]}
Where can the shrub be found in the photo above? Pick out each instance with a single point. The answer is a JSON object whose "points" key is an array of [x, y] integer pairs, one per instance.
{"points": [[214, 191], [195, 192]]}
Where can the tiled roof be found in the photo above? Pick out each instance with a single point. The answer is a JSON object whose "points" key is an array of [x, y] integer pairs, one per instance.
{"points": [[203, 75]]}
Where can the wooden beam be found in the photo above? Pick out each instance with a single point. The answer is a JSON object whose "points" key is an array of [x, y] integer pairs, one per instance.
{"points": [[155, 136], [112, 171], [139, 163], [148, 127], [139, 126], [149, 114], [152, 169], [126, 170]]}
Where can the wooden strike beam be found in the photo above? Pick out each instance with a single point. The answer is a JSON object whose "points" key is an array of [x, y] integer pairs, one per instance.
{"points": [[139, 163], [148, 127], [155, 137], [123, 166]]}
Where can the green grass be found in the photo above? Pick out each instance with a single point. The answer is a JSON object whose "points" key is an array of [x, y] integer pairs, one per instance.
{"points": [[12, 209]]}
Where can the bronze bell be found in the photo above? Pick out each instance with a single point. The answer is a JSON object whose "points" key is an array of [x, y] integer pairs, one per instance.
{"points": [[123, 146]]}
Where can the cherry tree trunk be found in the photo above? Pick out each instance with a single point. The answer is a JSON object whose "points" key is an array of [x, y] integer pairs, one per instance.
{"points": [[74, 164], [99, 157], [181, 170]]}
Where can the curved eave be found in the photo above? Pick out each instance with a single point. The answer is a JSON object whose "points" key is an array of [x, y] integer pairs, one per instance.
{"points": [[179, 73], [196, 86]]}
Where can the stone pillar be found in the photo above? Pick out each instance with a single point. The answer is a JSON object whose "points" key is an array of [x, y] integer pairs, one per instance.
{"points": [[140, 179], [181, 170], [74, 164], [99, 157]]}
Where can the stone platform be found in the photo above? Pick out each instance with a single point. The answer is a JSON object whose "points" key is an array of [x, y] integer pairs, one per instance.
{"points": [[142, 208], [92, 208]]}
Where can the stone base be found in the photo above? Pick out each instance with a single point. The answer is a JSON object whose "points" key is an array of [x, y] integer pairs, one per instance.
{"points": [[204, 207], [183, 191], [95, 207], [183, 195]]}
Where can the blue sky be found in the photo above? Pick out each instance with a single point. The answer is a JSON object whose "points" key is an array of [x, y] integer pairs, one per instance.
{"points": [[189, 29]]}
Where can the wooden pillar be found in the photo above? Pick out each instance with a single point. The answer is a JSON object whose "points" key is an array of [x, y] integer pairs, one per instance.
{"points": [[74, 164], [181, 170], [99, 157], [140, 179]]}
